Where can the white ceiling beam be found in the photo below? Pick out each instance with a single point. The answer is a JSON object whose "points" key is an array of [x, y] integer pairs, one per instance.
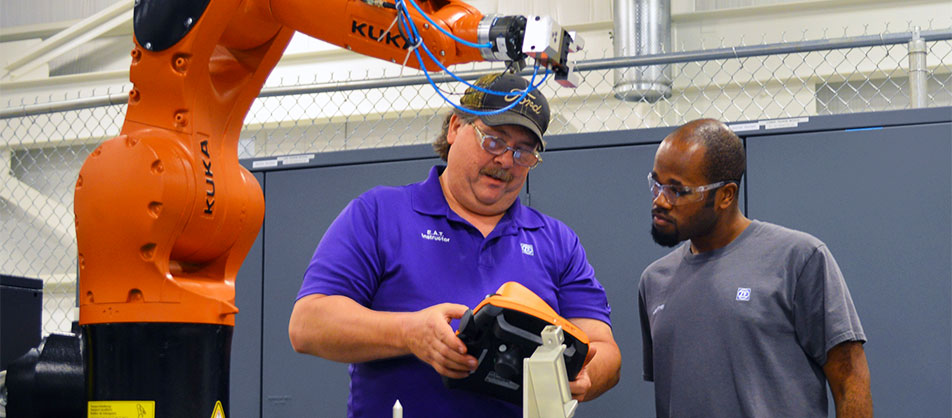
{"points": [[68, 39], [48, 29]]}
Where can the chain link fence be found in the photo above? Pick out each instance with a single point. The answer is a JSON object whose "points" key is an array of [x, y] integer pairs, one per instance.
{"points": [[43, 146]]}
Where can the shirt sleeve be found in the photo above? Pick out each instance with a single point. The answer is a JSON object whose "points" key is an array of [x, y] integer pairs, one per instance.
{"points": [[580, 295], [647, 345], [346, 261], [823, 309]]}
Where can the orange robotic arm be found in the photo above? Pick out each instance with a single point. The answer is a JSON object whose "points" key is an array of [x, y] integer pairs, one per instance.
{"points": [[165, 214]]}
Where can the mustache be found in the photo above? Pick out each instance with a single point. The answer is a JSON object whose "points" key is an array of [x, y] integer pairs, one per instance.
{"points": [[497, 173], [661, 213]]}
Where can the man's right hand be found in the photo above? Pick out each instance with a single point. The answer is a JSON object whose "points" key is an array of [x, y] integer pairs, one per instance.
{"points": [[429, 336]]}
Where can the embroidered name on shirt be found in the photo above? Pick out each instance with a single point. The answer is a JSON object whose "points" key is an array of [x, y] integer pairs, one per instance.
{"points": [[743, 294], [527, 249], [434, 235]]}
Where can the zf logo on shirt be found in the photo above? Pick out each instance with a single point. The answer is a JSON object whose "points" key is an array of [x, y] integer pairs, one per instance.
{"points": [[527, 249], [743, 294]]}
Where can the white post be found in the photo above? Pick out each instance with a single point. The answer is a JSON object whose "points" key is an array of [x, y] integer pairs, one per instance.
{"points": [[397, 409], [545, 389], [918, 72]]}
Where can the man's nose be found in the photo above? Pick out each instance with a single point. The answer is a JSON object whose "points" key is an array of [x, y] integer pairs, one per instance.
{"points": [[661, 201], [507, 159]]}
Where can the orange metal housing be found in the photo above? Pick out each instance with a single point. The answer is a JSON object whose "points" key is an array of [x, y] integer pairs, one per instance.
{"points": [[165, 214], [515, 296]]}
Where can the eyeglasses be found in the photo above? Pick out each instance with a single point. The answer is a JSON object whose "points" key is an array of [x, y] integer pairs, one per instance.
{"points": [[681, 194], [496, 146]]}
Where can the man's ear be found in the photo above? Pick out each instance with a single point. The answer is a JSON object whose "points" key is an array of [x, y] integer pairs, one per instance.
{"points": [[727, 195], [455, 124]]}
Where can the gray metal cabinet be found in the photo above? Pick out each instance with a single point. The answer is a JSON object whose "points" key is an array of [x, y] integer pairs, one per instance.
{"points": [[302, 204], [245, 385], [881, 199], [603, 196]]}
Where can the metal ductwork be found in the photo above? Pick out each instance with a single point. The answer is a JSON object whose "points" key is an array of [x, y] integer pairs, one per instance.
{"points": [[642, 27]]}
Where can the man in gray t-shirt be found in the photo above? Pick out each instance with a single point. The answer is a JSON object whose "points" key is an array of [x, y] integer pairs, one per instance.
{"points": [[746, 319]]}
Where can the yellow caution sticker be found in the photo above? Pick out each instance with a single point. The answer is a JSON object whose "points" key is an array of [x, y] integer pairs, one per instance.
{"points": [[120, 409], [218, 412]]}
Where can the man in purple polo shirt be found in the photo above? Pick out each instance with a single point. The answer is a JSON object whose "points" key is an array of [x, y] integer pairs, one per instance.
{"points": [[400, 263]]}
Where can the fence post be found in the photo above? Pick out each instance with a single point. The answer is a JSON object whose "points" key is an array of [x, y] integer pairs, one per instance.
{"points": [[918, 73]]}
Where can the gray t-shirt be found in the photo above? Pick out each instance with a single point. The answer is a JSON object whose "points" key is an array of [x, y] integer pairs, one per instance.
{"points": [[743, 331]]}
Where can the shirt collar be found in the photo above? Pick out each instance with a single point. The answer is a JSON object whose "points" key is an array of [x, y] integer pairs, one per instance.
{"points": [[427, 198]]}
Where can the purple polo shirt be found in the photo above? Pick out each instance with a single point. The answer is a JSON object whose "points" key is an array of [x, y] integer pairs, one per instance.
{"points": [[403, 249]]}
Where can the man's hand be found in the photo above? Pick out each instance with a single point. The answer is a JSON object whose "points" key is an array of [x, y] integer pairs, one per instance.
{"points": [[583, 382], [602, 367], [429, 336]]}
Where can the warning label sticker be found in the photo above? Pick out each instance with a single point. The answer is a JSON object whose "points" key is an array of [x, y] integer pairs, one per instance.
{"points": [[120, 409], [218, 412]]}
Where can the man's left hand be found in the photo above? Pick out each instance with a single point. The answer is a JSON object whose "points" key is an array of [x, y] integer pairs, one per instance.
{"points": [[583, 381], [602, 367]]}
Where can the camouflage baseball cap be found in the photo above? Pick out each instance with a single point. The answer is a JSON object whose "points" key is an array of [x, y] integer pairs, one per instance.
{"points": [[532, 112]]}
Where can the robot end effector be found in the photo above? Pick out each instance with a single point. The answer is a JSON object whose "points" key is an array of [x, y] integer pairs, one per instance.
{"points": [[510, 38], [513, 38]]}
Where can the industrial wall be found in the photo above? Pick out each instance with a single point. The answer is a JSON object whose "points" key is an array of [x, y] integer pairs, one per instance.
{"points": [[875, 187], [735, 61], [783, 60]]}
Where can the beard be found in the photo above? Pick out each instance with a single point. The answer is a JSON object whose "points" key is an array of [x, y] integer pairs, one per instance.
{"points": [[665, 240], [700, 224]]}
